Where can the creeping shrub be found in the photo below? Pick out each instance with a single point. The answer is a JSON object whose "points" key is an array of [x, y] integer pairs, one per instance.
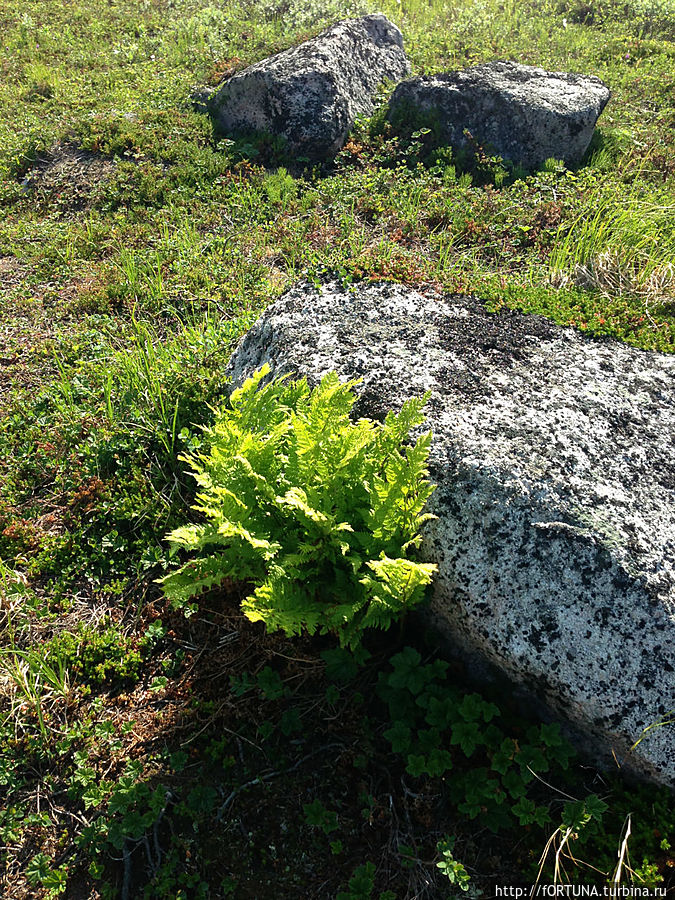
{"points": [[319, 513]]}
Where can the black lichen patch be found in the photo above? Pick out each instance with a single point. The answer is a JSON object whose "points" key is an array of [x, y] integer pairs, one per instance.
{"points": [[483, 342], [501, 337]]}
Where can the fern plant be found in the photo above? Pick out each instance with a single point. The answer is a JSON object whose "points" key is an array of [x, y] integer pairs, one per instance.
{"points": [[317, 512]]}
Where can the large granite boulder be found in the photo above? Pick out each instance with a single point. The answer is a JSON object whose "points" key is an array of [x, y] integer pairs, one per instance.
{"points": [[553, 455], [522, 113], [311, 94]]}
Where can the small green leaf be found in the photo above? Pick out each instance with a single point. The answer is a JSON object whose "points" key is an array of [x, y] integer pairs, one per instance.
{"points": [[399, 736]]}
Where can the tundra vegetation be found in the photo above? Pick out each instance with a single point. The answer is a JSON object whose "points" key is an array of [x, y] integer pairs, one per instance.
{"points": [[149, 751]]}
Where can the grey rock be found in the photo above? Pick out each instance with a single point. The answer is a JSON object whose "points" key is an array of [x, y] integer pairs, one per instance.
{"points": [[522, 113], [553, 455], [200, 98], [311, 94]]}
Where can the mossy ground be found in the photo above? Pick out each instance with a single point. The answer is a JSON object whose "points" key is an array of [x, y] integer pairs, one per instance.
{"points": [[145, 754]]}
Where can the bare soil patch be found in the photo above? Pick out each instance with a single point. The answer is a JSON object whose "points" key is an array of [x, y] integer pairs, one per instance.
{"points": [[70, 174]]}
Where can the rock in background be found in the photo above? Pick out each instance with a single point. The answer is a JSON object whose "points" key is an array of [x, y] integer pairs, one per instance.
{"points": [[311, 94], [522, 113], [553, 454]]}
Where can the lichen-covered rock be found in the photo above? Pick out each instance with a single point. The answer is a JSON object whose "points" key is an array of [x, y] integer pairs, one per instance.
{"points": [[311, 94], [522, 113], [553, 455]]}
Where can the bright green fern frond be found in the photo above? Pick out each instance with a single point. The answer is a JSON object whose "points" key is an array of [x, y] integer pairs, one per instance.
{"points": [[258, 482], [197, 576], [397, 427], [241, 396], [260, 546], [332, 401], [188, 536], [396, 585], [221, 503], [296, 497], [257, 408], [282, 605]]}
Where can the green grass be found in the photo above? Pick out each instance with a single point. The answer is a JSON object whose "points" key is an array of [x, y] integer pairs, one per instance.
{"points": [[140, 750]]}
